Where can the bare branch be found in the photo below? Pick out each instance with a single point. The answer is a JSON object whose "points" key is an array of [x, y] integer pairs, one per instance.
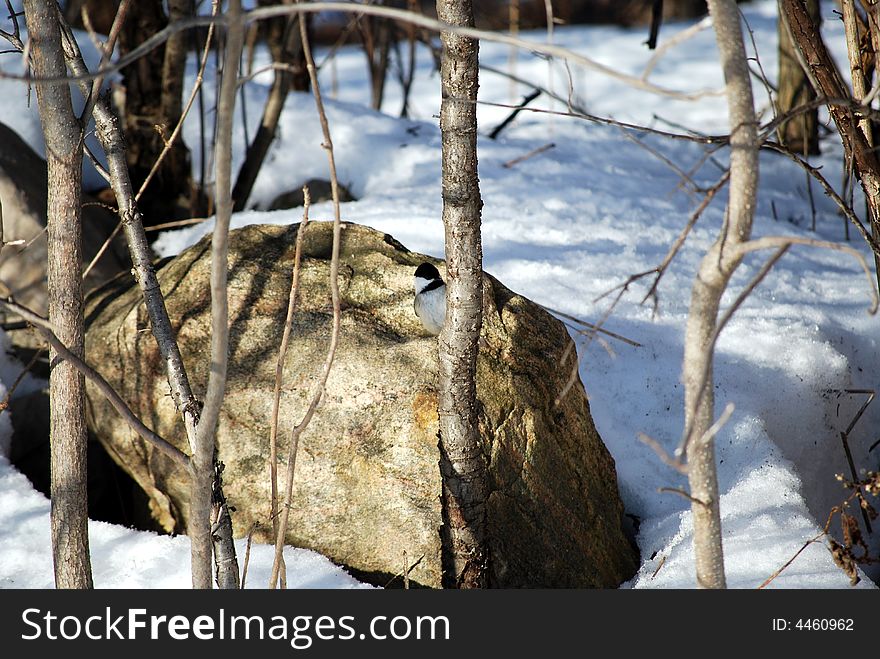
{"points": [[530, 154], [10, 391], [318, 390], [692, 137], [279, 369], [676, 39], [387, 12], [665, 458], [13, 37], [169, 143], [200, 76], [110, 135], [684, 495], [591, 326], [791, 560], [106, 53], [679, 241], [767, 242], [205, 441], [845, 208], [44, 327]]}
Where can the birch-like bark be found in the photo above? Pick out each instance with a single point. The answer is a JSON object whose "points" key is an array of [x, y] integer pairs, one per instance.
{"points": [[714, 274], [462, 462], [67, 438]]}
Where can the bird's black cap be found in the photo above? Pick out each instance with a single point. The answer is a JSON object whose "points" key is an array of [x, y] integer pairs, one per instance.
{"points": [[427, 271]]}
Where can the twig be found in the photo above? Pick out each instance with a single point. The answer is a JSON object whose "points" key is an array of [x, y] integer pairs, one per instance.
{"points": [[247, 555], [844, 438], [590, 335], [791, 560], [683, 494], [665, 458], [685, 177], [168, 143], [676, 461], [679, 241], [44, 327], [318, 390], [546, 92], [3, 242], [197, 85], [829, 191], [573, 374], [279, 368], [530, 154], [504, 124], [11, 390], [676, 39], [407, 568], [760, 74], [404, 16], [606, 121], [591, 326], [177, 224], [852, 468], [814, 539], [106, 52], [13, 37], [780, 241], [662, 563]]}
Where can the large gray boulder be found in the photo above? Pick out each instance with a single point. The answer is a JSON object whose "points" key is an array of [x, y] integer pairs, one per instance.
{"points": [[367, 482]]}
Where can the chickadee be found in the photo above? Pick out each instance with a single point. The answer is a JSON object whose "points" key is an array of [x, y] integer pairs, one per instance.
{"points": [[430, 301]]}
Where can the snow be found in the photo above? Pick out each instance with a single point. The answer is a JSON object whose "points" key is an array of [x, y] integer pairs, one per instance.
{"points": [[565, 227]]}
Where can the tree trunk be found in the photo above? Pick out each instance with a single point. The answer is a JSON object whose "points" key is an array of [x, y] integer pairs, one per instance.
{"points": [[204, 454], [176, 168], [152, 109], [378, 34], [801, 133], [826, 78], [100, 12], [110, 135], [285, 43], [63, 136], [715, 271], [462, 459]]}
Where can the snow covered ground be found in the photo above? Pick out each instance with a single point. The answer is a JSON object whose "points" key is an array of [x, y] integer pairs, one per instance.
{"points": [[563, 227]]}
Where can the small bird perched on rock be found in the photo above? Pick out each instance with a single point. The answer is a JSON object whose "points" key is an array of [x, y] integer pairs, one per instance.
{"points": [[430, 300]]}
